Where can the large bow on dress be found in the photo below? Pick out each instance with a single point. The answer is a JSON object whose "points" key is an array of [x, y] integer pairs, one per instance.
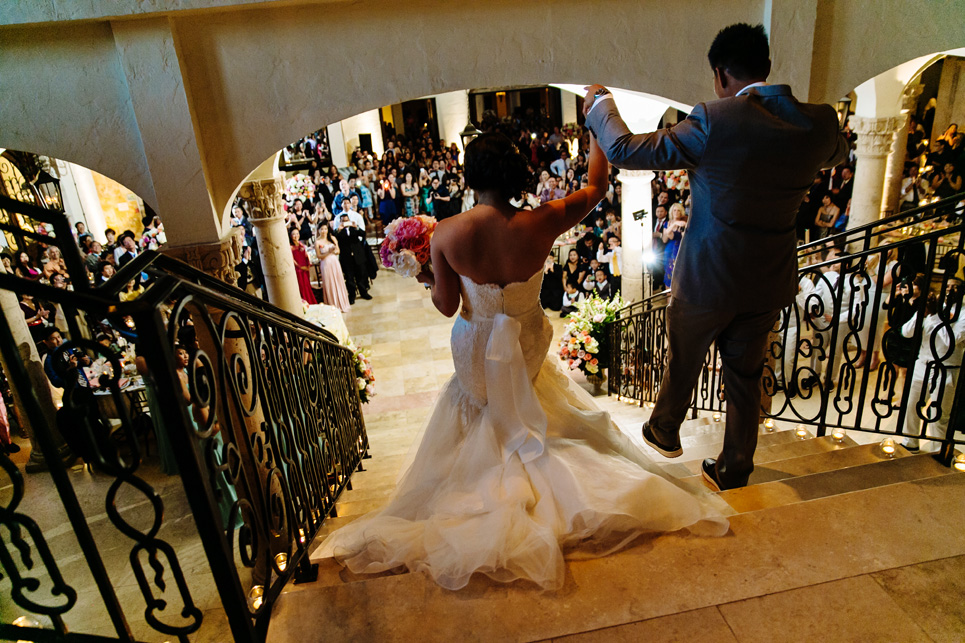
{"points": [[518, 419]]}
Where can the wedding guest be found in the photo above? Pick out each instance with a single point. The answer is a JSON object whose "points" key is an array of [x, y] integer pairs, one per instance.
{"points": [[387, 205], [351, 244], [673, 234], [93, 255], [410, 195], [571, 298], [551, 192], [103, 272], [657, 246], [936, 370], [127, 249], [111, 245], [613, 260], [574, 270], [602, 285], [54, 264], [36, 316], [334, 292], [440, 197], [826, 217], [302, 268], [24, 268], [587, 247], [153, 235]]}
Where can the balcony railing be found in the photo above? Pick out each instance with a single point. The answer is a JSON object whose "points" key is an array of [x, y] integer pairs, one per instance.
{"points": [[256, 412], [851, 304]]}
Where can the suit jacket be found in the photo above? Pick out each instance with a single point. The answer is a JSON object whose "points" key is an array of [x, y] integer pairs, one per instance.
{"points": [[751, 160]]}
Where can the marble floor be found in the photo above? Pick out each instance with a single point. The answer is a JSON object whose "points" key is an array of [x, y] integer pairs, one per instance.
{"points": [[809, 557]]}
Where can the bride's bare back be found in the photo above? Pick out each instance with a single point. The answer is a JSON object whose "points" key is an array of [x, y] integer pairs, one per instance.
{"points": [[494, 243]]}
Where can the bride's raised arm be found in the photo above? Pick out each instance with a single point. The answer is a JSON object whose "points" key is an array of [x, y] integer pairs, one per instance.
{"points": [[562, 214]]}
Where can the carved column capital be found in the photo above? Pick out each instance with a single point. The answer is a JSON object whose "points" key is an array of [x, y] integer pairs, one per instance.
{"points": [[875, 134], [216, 259], [263, 198], [631, 175], [909, 97]]}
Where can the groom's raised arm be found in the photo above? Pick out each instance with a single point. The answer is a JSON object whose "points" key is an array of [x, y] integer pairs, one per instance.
{"points": [[673, 148]]}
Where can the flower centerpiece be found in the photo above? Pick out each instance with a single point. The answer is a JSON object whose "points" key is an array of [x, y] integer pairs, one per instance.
{"points": [[405, 248], [300, 187], [678, 180], [364, 377], [585, 345]]}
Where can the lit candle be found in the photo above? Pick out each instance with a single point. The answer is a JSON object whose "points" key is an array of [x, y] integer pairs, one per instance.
{"points": [[281, 561], [959, 462], [716, 417], [888, 447], [256, 596], [801, 432], [838, 434]]}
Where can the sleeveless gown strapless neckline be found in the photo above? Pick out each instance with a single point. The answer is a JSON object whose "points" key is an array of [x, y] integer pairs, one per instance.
{"points": [[517, 467]]}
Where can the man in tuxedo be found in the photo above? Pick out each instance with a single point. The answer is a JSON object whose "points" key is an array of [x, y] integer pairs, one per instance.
{"points": [[751, 156], [351, 246]]}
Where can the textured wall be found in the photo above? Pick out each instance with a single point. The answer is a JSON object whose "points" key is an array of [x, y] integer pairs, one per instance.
{"points": [[65, 95], [257, 75]]}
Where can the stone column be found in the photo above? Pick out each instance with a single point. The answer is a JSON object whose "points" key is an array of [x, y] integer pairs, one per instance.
{"points": [[636, 197], [875, 136], [896, 158], [266, 215]]}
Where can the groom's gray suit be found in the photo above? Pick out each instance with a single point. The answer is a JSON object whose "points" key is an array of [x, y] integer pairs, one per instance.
{"points": [[751, 160]]}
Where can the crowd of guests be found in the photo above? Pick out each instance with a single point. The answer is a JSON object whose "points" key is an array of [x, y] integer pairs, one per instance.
{"points": [[931, 172], [332, 224]]}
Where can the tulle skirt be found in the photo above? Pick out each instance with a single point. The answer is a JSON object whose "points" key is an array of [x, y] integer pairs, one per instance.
{"points": [[464, 507]]}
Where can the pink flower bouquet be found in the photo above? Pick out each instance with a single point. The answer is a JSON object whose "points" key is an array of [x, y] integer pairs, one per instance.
{"points": [[405, 248]]}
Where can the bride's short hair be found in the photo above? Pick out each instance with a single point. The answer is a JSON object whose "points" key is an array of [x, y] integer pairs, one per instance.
{"points": [[494, 162]]}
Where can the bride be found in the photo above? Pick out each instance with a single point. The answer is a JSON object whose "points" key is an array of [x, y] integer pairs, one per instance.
{"points": [[517, 466]]}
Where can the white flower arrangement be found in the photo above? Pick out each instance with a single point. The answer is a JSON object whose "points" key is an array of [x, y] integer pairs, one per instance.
{"points": [[584, 344]]}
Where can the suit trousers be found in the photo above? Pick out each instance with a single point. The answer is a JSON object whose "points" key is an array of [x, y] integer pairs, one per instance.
{"points": [[741, 340]]}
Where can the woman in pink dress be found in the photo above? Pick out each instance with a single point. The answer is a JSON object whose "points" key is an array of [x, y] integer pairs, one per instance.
{"points": [[334, 292], [302, 266]]}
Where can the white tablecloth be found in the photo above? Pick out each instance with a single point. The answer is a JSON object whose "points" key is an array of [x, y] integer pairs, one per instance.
{"points": [[330, 318]]}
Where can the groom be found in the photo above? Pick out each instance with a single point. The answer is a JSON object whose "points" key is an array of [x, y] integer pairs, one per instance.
{"points": [[751, 156]]}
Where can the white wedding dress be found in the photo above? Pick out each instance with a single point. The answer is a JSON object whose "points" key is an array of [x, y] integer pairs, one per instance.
{"points": [[517, 466]]}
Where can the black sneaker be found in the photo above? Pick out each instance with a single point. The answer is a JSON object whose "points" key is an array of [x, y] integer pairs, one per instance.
{"points": [[708, 468], [365, 295], [664, 450]]}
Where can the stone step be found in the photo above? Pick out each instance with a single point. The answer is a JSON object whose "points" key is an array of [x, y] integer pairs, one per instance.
{"points": [[782, 549], [711, 449], [772, 453], [817, 456], [804, 488]]}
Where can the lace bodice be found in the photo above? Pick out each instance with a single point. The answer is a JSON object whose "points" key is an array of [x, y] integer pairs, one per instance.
{"points": [[481, 303]]}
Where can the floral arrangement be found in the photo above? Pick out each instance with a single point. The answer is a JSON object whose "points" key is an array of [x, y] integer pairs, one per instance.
{"points": [[678, 180], [300, 187], [405, 248], [584, 345], [364, 377]]}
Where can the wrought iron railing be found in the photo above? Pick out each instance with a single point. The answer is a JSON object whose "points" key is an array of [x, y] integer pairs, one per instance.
{"points": [[856, 306], [260, 421]]}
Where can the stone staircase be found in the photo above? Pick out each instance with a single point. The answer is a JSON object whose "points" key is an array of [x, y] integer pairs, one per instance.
{"points": [[804, 486]]}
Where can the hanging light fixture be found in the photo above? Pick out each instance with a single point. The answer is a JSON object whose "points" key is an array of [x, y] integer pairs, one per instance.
{"points": [[48, 191], [468, 134]]}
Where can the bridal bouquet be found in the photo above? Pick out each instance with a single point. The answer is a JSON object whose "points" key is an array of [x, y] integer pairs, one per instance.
{"points": [[300, 187], [405, 248], [585, 345]]}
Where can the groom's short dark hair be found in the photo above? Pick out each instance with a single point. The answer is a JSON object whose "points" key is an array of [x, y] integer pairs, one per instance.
{"points": [[742, 50]]}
